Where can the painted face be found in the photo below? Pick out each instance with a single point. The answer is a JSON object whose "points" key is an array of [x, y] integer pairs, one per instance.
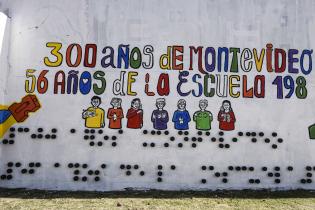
{"points": [[160, 105], [226, 107], [115, 103], [182, 106], [136, 104], [203, 105], [95, 102]]}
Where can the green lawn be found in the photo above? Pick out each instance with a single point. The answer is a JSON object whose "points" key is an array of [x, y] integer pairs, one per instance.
{"points": [[36, 199]]}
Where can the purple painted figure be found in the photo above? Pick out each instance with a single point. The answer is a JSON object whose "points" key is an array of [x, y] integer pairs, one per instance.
{"points": [[160, 116]]}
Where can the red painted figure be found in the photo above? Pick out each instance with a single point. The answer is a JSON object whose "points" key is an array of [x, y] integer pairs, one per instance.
{"points": [[226, 117], [135, 115]]}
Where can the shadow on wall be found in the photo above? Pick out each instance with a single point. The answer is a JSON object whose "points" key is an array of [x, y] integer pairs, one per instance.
{"points": [[156, 194]]}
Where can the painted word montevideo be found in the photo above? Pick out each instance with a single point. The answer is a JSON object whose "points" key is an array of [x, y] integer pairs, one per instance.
{"points": [[206, 72]]}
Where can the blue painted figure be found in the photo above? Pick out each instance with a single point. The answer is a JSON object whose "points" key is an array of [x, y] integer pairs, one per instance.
{"points": [[181, 116], [159, 116]]}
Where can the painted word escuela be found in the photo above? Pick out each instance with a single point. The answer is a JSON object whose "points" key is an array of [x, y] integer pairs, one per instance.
{"points": [[209, 72], [94, 116]]}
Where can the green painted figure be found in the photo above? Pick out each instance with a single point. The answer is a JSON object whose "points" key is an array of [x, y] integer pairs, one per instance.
{"points": [[203, 118]]}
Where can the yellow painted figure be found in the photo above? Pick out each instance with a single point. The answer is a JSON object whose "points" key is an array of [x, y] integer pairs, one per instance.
{"points": [[94, 115], [17, 112]]}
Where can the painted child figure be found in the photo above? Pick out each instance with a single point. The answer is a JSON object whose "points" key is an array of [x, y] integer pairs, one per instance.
{"points": [[135, 114], [94, 115], [115, 114], [181, 116], [203, 117], [159, 116], [226, 116]]}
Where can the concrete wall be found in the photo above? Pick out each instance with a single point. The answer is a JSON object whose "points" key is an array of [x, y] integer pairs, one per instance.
{"points": [[244, 24]]}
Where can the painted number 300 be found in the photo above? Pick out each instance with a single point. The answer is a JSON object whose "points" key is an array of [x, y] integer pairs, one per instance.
{"points": [[298, 87]]}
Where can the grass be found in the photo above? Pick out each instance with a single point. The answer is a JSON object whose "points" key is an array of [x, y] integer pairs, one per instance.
{"points": [[246, 199]]}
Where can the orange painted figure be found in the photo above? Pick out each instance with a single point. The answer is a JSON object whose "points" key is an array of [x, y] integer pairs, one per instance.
{"points": [[115, 114], [17, 112]]}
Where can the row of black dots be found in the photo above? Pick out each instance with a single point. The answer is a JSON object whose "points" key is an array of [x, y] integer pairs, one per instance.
{"points": [[200, 133], [40, 135], [275, 172], [241, 168], [261, 134], [129, 169], [20, 129], [221, 145], [254, 181], [156, 132]]}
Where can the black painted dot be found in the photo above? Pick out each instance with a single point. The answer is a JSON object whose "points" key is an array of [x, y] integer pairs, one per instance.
{"points": [[251, 181], [5, 141], [40, 130], [166, 132], [26, 130], [309, 174], [274, 146], [203, 167], [86, 131], [75, 178], [152, 144], [96, 172], [31, 171], [277, 174], [207, 133], [247, 133], [211, 168], [199, 133], [224, 174], [114, 144], [159, 179], [144, 144], [194, 145], [92, 143], [186, 138], [267, 140], [40, 136], [290, 168], [224, 180], [244, 168], [96, 178], [153, 132], [227, 146], [84, 165], [240, 133], [92, 131], [24, 171], [160, 167], [203, 181], [261, 134], [136, 167], [122, 166], [186, 133], [280, 140], [31, 164], [194, 139], [54, 130], [308, 168], [70, 165], [173, 167], [172, 138], [72, 130], [145, 131], [47, 136], [270, 174], [56, 165], [303, 181], [166, 144], [76, 172], [9, 177], [141, 173], [257, 181], [106, 137], [213, 139], [238, 168], [180, 132], [92, 137], [90, 172], [277, 168], [217, 174], [86, 137], [18, 164], [254, 140], [12, 135], [11, 141], [158, 132], [76, 165], [253, 133], [277, 181], [33, 136], [38, 164], [231, 168], [221, 145], [84, 178], [9, 171], [128, 173], [160, 173], [53, 136], [100, 131], [180, 145], [103, 165], [199, 139], [274, 134], [234, 139], [12, 129], [307, 180], [251, 168], [114, 138], [120, 131], [128, 167], [99, 143], [3, 177], [221, 133], [221, 139]]}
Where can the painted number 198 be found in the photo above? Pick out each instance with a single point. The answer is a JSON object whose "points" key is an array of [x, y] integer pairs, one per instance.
{"points": [[298, 87]]}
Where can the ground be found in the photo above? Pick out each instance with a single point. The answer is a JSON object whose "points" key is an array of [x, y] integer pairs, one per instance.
{"points": [[246, 199]]}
